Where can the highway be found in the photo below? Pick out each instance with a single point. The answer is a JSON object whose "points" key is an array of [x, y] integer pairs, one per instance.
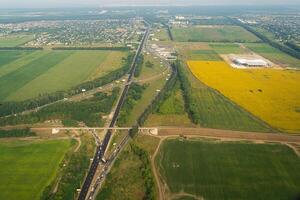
{"points": [[100, 151]]}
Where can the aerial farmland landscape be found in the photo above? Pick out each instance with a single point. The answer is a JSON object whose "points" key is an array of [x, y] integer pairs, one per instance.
{"points": [[144, 100]]}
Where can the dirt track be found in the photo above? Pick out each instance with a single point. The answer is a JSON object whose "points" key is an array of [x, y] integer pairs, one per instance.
{"points": [[228, 134]]}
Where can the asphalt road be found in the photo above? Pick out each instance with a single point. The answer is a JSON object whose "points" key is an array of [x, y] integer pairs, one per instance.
{"points": [[102, 148]]}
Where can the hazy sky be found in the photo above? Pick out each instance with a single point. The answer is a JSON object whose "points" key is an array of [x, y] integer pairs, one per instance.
{"points": [[76, 3]]}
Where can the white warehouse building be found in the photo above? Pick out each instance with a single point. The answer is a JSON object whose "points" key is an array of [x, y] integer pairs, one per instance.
{"points": [[250, 62]]}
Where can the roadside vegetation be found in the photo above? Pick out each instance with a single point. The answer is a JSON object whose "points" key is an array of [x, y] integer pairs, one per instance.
{"points": [[139, 65], [72, 172], [131, 175], [135, 93], [215, 170], [89, 111]]}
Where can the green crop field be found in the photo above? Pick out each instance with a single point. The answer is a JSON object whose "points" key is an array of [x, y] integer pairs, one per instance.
{"points": [[40, 72], [227, 48], [274, 55], [203, 55], [27, 167], [229, 170], [213, 34], [13, 41], [9, 56]]}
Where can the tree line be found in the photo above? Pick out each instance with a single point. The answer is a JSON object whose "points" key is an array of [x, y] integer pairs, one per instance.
{"points": [[139, 66], [146, 171], [135, 93], [89, 111], [21, 48], [16, 133], [93, 48], [10, 108], [165, 92]]}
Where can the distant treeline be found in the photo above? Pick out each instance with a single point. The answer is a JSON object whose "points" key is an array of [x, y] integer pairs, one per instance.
{"points": [[21, 48], [89, 111], [9, 108], [16, 133], [283, 48], [93, 48], [293, 46], [169, 32], [160, 97]]}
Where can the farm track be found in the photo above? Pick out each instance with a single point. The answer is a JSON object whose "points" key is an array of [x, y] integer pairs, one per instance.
{"points": [[228, 134]]}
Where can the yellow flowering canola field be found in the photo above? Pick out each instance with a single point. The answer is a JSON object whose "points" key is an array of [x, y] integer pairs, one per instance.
{"points": [[273, 95]]}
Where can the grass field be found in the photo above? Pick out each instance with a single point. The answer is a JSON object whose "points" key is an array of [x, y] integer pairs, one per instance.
{"points": [[13, 41], [125, 180], [208, 51], [274, 55], [27, 167], [213, 34], [171, 112], [41, 72], [228, 48], [270, 94], [161, 34], [217, 170], [151, 90]]}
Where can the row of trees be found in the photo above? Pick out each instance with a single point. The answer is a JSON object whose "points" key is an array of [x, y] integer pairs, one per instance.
{"points": [[169, 32], [135, 93], [9, 108], [139, 66], [93, 48], [187, 90], [292, 45], [16, 133], [21, 48], [88, 111], [146, 171], [165, 92], [285, 49]]}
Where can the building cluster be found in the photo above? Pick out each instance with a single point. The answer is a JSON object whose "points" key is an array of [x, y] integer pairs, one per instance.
{"points": [[284, 28], [74, 32], [164, 52]]}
